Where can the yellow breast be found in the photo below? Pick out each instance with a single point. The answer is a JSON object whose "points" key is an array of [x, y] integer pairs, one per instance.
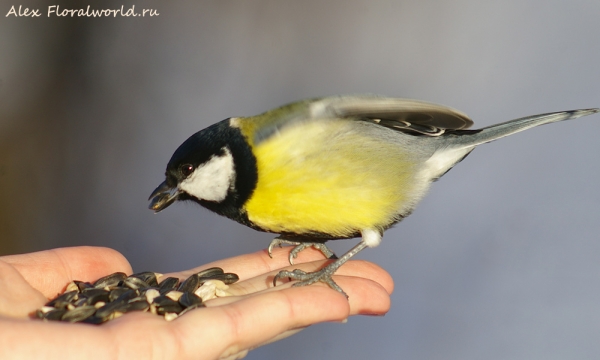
{"points": [[328, 176]]}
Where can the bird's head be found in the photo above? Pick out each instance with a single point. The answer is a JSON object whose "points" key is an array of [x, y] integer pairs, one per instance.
{"points": [[202, 169]]}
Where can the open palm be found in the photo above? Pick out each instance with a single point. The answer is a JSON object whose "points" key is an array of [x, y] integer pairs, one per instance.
{"points": [[228, 327]]}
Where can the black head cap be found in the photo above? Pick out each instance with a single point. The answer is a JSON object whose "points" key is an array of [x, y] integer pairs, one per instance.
{"points": [[198, 149]]}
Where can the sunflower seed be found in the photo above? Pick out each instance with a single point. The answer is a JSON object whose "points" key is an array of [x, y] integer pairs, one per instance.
{"points": [[189, 299], [212, 289], [63, 300], [95, 295], [99, 304], [110, 280], [115, 293], [190, 284], [128, 295], [55, 314], [190, 308], [210, 272], [72, 287], [41, 313], [82, 285], [109, 309], [164, 305], [95, 320], [171, 316], [80, 302], [151, 294], [230, 278], [135, 283], [227, 278], [138, 305], [168, 284], [153, 309], [148, 277], [45, 309], [79, 314], [138, 298], [174, 295]]}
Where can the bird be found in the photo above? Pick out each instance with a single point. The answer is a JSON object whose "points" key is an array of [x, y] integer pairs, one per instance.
{"points": [[329, 168]]}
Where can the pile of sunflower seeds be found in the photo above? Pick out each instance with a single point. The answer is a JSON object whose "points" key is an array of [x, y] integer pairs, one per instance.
{"points": [[116, 294]]}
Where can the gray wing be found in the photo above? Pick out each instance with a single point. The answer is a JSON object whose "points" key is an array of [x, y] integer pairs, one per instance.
{"points": [[407, 115], [412, 116]]}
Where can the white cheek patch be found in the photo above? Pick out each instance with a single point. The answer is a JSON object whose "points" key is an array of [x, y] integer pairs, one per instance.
{"points": [[212, 180]]}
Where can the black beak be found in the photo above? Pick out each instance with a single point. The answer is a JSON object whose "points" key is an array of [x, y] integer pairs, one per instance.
{"points": [[162, 197]]}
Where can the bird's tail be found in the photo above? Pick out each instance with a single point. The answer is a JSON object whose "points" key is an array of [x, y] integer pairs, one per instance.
{"points": [[490, 133]]}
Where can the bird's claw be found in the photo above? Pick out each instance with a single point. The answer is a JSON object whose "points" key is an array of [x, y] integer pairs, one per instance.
{"points": [[307, 278], [275, 242], [298, 247]]}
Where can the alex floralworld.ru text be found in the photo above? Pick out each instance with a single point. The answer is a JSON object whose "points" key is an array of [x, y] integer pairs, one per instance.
{"points": [[56, 10]]}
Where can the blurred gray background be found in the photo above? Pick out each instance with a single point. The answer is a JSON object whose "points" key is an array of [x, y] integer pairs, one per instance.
{"points": [[500, 261]]}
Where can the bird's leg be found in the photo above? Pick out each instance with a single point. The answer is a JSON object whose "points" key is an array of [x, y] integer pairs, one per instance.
{"points": [[299, 246], [324, 274]]}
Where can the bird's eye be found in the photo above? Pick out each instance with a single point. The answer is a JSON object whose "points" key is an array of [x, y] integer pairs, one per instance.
{"points": [[187, 169]]}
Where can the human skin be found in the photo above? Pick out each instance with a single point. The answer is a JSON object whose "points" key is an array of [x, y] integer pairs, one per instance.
{"points": [[256, 314]]}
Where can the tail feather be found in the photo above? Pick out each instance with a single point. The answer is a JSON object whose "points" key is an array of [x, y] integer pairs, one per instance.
{"points": [[501, 130]]}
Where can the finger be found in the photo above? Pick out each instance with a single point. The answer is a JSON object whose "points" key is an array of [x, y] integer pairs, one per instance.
{"points": [[51, 270], [365, 296], [250, 265], [283, 335], [257, 319], [18, 298], [357, 268], [206, 333]]}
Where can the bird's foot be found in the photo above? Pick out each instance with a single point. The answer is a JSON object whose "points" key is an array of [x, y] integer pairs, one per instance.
{"points": [[323, 275], [298, 247], [307, 278]]}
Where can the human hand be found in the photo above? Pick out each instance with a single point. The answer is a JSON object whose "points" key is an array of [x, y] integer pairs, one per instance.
{"points": [[228, 327]]}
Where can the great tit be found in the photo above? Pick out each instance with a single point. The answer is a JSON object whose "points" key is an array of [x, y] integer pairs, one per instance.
{"points": [[328, 168]]}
